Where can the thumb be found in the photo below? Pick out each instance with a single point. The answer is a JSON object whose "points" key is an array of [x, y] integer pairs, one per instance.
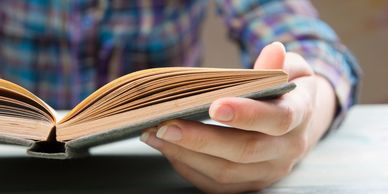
{"points": [[271, 57]]}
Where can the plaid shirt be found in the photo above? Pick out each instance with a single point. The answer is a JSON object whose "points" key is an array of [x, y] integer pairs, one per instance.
{"points": [[64, 50]]}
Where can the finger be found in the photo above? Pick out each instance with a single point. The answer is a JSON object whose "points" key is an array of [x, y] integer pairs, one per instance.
{"points": [[220, 170], [274, 56], [208, 185], [271, 57], [228, 143], [270, 117]]}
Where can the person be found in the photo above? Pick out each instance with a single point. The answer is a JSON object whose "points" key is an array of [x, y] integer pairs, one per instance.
{"points": [[63, 50]]}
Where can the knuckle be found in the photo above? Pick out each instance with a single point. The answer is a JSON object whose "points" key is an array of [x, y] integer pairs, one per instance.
{"points": [[247, 115], [299, 146], [284, 170], [227, 174], [199, 142], [251, 148], [280, 171], [174, 154], [286, 122], [248, 119]]}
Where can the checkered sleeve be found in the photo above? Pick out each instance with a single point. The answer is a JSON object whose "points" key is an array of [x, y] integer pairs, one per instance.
{"points": [[256, 23]]}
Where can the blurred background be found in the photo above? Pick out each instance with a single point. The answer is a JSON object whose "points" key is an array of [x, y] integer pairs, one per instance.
{"points": [[361, 24]]}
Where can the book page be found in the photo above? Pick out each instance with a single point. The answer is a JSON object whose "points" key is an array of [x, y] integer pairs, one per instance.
{"points": [[132, 86], [147, 91], [150, 114], [109, 87], [18, 90]]}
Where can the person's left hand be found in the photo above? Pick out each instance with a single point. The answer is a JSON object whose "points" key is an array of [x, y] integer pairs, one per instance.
{"points": [[266, 141]]}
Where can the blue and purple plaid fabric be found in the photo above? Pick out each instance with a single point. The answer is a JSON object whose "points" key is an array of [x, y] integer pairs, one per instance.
{"points": [[64, 50]]}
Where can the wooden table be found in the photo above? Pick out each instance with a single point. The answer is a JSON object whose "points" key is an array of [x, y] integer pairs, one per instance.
{"points": [[353, 159]]}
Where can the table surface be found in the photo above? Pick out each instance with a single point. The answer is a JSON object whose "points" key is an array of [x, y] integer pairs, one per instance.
{"points": [[353, 159]]}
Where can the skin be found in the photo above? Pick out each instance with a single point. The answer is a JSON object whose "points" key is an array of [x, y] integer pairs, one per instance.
{"points": [[266, 140]]}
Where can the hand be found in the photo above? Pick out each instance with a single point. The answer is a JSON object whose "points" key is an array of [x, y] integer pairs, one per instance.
{"points": [[266, 140]]}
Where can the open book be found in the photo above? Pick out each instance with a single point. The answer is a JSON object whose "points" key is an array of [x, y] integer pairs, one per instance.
{"points": [[125, 106]]}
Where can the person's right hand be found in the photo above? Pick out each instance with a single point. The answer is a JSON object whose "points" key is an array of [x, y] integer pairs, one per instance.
{"points": [[266, 138]]}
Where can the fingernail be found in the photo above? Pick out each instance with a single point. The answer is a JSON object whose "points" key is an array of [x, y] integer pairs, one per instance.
{"points": [[144, 136], [149, 137], [222, 113], [169, 133]]}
